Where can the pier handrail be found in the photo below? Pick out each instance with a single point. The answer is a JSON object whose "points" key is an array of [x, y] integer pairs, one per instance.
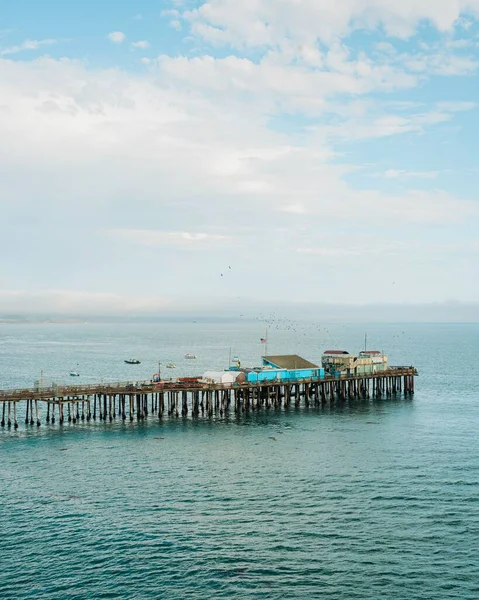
{"points": [[63, 389], [146, 386]]}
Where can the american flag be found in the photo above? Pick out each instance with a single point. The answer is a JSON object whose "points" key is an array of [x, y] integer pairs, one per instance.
{"points": [[263, 340]]}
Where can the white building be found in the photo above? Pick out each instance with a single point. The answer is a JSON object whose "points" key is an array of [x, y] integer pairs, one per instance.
{"points": [[367, 362], [224, 377]]}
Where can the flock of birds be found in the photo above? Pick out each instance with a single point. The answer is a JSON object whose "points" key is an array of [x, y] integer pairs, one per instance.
{"points": [[331, 335], [304, 329]]}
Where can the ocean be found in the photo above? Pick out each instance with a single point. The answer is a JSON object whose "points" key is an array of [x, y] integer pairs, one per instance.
{"points": [[366, 499]]}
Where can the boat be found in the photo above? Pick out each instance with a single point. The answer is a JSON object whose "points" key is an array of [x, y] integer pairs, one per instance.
{"points": [[170, 366], [132, 361], [190, 356], [74, 374]]}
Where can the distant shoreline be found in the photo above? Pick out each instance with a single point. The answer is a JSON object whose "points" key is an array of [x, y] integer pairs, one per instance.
{"points": [[226, 320]]}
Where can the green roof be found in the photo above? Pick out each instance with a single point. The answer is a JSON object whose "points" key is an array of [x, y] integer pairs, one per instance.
{"points": [[289, 361]]}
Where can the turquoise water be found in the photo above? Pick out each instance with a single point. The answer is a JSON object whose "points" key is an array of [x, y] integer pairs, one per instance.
{"points": [[369, 499]]}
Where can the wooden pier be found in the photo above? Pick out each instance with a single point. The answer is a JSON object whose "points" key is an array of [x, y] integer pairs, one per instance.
{"points": [[137, 400]]}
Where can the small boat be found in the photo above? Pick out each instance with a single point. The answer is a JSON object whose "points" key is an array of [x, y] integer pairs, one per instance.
{"points": [[170, 366], [190, 356], [74, 374], [132, 361]]}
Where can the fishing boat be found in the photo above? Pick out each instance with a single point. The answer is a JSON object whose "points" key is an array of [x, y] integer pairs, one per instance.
{"points": [[190, 356], [132, 361], [170, 366]]}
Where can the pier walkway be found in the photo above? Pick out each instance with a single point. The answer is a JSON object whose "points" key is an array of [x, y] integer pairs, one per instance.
{"points": [[138, 399]]}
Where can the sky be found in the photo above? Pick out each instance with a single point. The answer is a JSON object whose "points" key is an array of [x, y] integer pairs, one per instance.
{"points": [[165, 154]]}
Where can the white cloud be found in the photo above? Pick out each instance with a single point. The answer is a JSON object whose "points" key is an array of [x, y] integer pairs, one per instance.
{"points": [[440, 62], [144, 44], [131, 136], [218, 158], [264, 23], [27, 45], [372, 123], [155, 238], [403, 174], [274, 83], [117, 37]]}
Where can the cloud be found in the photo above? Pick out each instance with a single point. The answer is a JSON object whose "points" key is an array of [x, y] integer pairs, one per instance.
{"points": [[440, 62], [404, 174], [175, 17], [117, 37], [186, 239], [144, 44], [370, 122], [284, 87], [263, 23], [197, 162], [304, 79], [27, 45], [130, 135]]}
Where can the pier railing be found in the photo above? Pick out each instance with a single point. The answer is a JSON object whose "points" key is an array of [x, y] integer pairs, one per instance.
{"points": [[80, 389], [140, 398], [59, 391]]}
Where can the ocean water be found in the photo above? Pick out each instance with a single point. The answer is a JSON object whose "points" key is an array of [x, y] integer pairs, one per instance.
{"points": [[366, 499]]}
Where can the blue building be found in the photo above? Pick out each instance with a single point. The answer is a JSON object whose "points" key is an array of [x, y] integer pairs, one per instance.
{"points": [[287, 367]]}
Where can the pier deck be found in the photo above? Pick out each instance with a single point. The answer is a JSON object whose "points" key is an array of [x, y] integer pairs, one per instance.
{"points": [[137, 399]]}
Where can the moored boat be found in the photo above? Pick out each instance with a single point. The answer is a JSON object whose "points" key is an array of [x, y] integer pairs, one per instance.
{"points": [[190, 356]]}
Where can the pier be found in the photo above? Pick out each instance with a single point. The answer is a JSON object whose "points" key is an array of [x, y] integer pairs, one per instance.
{"points": [[191, 396]]}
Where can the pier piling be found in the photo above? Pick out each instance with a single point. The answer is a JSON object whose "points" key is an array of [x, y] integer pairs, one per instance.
{"points": [[144, 398]]}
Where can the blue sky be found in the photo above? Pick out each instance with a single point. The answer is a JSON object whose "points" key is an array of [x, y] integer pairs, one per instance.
{"points": [[149, 146]]}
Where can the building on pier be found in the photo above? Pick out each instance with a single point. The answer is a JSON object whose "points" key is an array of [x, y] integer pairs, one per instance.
{"points": [[231, 376], [285, 367], [281, 368], [366, 362]]}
